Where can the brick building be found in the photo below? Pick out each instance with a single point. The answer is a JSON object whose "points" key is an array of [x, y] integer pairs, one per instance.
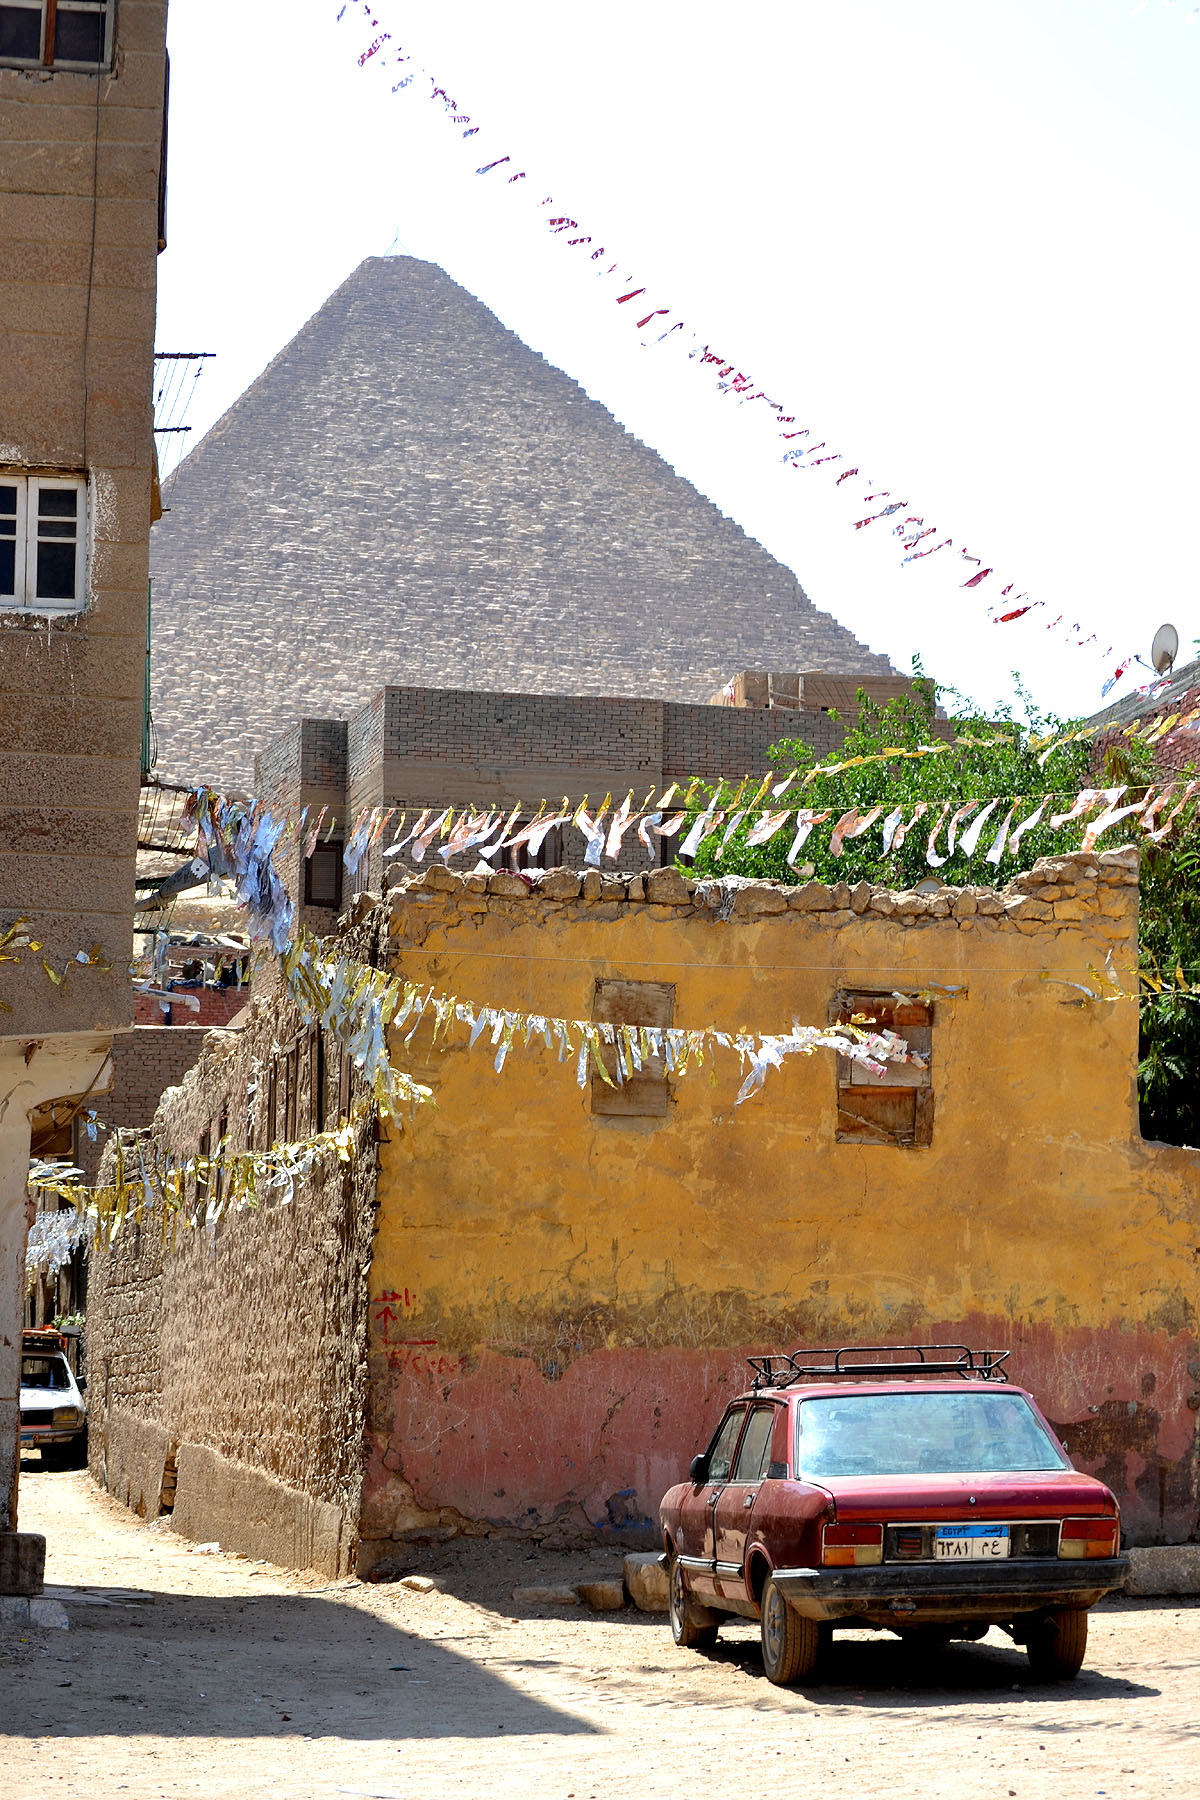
{"points": [[410, 495], [417, 747], [82, 133]]}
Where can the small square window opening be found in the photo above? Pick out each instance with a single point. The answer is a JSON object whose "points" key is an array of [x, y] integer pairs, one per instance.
{"points": [[644, 1095], [896, 1109]]}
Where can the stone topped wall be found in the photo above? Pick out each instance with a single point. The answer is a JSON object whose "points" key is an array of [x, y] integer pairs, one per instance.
{"points": [[589, 1285]]}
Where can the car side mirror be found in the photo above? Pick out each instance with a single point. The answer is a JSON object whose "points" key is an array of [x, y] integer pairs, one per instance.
{"points": [[81, 1383], [698, 1470]]}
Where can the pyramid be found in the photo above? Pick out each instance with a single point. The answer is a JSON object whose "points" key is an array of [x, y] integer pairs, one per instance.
{"points": [[408, 494]]}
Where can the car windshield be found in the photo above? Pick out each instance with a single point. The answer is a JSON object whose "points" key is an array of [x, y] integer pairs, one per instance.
{"points": [[45, 1372], [922, 1434]]}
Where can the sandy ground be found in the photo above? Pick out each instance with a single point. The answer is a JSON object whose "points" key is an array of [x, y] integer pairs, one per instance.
{"points": [[188, 1674]]}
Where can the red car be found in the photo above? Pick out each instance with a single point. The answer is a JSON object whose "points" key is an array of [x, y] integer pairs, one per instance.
{"points": [[906, 1488]]}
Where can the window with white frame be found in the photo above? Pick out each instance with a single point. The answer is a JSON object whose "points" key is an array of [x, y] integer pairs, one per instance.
{"points": [[56, 34], [43, 542]]}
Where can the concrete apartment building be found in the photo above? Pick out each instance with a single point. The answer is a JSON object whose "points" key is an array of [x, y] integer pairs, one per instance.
{"points": [[82, 134]]}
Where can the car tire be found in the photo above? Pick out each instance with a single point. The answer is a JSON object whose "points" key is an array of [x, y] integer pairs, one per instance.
{"points": [[1057, 1644], [693, 1627], [791, 1644]]}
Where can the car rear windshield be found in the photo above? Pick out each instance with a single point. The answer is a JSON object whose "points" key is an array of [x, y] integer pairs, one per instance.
{"points": [[45, 1372], [922, 1434]]}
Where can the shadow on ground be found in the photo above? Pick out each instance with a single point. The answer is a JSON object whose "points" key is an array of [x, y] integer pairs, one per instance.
{"points": [[886, 1672], [287, 1666]]}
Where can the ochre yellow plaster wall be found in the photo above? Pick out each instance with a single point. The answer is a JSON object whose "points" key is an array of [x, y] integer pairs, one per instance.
{"points": [[562, 1301]]}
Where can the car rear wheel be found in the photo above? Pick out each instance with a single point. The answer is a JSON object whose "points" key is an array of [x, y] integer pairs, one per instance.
{"points": [[693, 1627], [791, 1643], [1057, 1644]]}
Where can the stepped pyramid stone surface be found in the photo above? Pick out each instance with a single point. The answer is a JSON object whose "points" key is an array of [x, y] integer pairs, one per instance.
{"points": [[408, 494]]}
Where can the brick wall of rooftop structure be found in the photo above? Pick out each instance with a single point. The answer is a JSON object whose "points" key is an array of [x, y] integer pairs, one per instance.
{"points": [[146, 1061], [412, 748], [409, 494]]}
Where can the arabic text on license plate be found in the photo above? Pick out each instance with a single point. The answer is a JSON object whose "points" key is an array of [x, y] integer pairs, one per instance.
{"points": [[970, 1543]]}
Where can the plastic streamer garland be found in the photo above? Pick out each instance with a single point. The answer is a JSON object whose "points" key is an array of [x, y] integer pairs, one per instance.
{"points": [[369, 1002], [911, 528], [1154, 810], [145, 1184]]}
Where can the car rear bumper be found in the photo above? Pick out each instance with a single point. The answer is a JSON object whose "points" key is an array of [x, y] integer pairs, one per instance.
{"points": [[933, 1592]]}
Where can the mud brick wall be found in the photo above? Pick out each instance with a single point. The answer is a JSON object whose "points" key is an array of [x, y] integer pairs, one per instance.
{"points": [[236, 1360]]}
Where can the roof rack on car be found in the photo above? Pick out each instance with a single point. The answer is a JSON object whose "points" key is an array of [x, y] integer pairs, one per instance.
{"points": [[903, 1359]]}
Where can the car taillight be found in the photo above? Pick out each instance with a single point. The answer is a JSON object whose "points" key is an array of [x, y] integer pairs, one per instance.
{"points": [[852, 1546], [1088, 1537]]}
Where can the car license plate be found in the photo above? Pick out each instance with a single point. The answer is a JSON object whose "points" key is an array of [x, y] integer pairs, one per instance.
{"points": [[970, 1543]]}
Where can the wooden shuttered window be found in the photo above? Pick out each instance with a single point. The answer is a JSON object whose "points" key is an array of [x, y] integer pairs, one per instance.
{"points": [[645, 1095], [897, 1109]]}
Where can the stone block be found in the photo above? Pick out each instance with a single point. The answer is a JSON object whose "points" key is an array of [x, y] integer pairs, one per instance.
{"points": [[964, 905], [748, 902], [558, 884], [612, 886], [1069, 912], [19, 1612], [1164, 1569], [602, 1596], [508, 886], [843, 917], [1024, 908], [636, 887], [646, 1581], [909, 906], [814, 896], [839, 896], [439, 876], [989, 906], [592, 885], [883, 902], [667, 887], [48, 1615], [22, 1562], [860, 896], [418, 1584], [545, 1596]]}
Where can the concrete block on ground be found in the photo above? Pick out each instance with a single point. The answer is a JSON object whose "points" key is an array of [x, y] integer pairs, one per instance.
{"points": [[48, 1615], [545, 1596], [646, 1581], [1164, 1569], [602, 1596], [22, 1562], [21, 1612]]}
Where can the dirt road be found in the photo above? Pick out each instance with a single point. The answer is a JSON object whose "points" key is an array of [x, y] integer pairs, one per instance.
{"points": [[187, 1674]]}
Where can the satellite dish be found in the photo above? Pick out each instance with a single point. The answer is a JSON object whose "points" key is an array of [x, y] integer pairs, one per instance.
{"points": [[1165, 648]]}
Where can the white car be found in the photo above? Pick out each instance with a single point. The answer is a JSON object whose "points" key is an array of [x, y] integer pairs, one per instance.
{"points": [[53, 1414]]}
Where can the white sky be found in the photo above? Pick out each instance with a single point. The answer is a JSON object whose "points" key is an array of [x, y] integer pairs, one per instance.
{"points": [[959, 239]]}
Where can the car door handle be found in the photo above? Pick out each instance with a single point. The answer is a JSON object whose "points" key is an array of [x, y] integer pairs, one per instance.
{"points": [[749, 1500]]}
